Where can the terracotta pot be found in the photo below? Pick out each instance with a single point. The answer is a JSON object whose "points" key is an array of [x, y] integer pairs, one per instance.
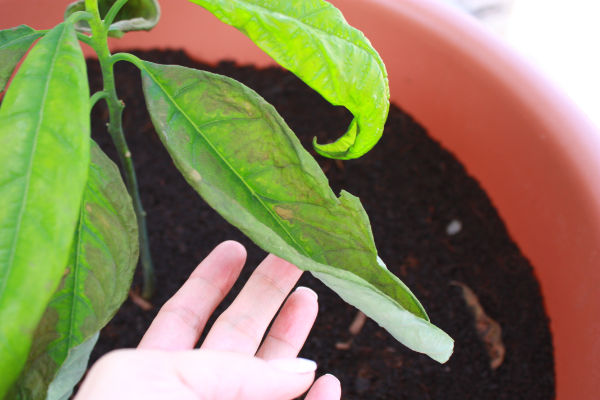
{"points": [[534, 153]]}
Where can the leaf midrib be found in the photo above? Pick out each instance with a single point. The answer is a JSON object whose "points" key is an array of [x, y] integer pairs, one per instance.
{"points": [[224, 159], [30, 166], [249, 188], [76, 267]]}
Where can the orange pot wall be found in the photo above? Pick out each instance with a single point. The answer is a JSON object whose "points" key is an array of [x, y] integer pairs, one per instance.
{"points": [[534, 153]]}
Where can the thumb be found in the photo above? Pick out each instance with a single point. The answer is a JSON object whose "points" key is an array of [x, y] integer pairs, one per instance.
{"points": [[217, 375]]}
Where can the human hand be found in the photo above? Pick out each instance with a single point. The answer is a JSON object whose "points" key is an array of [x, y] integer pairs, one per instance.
{"points": [[231, 363]]}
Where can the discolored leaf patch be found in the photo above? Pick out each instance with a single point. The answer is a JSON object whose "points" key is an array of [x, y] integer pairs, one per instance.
{"points": [[44, 156], [257, 175], [96, 281]]}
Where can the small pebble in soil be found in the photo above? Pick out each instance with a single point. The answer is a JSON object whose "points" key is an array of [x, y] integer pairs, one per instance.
{"points": [[454, 227]]}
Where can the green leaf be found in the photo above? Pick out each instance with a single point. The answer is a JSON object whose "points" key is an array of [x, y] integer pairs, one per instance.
{"points": [[98, 276], [44, 158], [312, 39], [136, 15], [238, 153], [72, 370], [14, 43]]}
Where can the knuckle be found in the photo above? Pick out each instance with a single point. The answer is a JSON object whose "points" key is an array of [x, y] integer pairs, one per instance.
{"points": [[187, 315]]}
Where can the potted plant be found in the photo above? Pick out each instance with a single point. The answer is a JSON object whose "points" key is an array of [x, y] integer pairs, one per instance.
{"points": [[70, 239], [524, 122]]}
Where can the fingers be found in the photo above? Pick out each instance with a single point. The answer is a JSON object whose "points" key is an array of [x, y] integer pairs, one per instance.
{"points": [[291, 327], [241, 327], [203, 374], [180, 321], [326, 387], [235, 376]]}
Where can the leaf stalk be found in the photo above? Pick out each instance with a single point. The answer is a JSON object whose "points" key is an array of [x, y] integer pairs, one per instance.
{"points": [[112, 13], [96, 97]]}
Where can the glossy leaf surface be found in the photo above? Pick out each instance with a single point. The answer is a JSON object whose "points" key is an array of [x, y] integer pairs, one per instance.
{"points": [[98, 276], [312, 39], [136, 15], [237, 152], [44, 159], [14, 43]]}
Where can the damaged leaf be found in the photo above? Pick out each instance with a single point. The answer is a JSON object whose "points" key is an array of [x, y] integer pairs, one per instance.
{"points": [[96, 282], [45, 156], [258, 176]]}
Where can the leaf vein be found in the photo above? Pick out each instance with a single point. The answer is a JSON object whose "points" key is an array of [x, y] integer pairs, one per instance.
{"points": [[226, 162], [316, 28], [30, 168]]}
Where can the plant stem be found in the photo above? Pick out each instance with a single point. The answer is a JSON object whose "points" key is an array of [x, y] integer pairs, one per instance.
{"points": [[96, 97], [115, 129], [112, 13]]}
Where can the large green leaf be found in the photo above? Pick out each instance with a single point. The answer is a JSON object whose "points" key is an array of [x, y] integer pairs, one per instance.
{"points": [[98, 276], [312, 39], [136, 15], [239, 154], [44, 158], [14, 43]]}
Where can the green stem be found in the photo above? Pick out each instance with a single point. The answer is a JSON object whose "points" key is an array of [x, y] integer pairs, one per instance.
{"points": [[112, 13], [97, 97], [84, 38], [115, 129]]}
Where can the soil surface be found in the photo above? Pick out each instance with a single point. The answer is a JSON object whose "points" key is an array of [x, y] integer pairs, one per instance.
{"points": [[432, 223]]}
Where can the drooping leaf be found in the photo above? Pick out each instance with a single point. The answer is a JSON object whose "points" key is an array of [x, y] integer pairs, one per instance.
{"points": [[44, 158], [237, 152], [14, 43], [72, 370], [97, 279], [136, 15], [312, 39]]}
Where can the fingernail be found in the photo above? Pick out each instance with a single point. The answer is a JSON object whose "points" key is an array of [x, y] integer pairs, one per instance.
{"points": [[294, 365], [308, 290]]}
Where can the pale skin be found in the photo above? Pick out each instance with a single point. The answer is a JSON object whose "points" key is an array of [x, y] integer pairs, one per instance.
{"points": [[233, 362]]}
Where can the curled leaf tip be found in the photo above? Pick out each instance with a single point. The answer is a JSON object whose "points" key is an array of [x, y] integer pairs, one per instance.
{"points": [[326, 150], [313, 40], [360, 137], [343, 148]]}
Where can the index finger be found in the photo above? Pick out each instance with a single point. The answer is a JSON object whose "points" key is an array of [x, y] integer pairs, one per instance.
{"points": [[182, 318], [241, 327]]}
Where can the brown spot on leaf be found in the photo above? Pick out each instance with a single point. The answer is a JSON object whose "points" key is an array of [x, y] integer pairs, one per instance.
{"points": [[488, 330], [284, 213], [195, 175]]}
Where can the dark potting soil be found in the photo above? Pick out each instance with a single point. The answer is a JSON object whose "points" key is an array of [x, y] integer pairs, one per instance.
{"points": [[412, 190]]}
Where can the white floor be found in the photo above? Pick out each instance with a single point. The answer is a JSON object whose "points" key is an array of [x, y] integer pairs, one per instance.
{"points": [[561, 37]]}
